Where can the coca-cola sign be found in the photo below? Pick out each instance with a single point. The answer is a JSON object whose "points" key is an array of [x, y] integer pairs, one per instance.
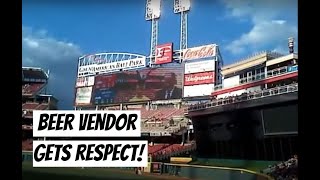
{"points": [[199, 78], [199, 52]]}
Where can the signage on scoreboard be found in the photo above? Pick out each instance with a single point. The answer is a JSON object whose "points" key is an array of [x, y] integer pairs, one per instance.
{"points": [[200, 52], [94, 69], [83, 95], [198, 90], [164, 53], [199, 78], [85, 81], [199, 66]]}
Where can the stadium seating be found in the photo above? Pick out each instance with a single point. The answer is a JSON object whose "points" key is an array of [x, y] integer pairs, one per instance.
{"points": [[27, 145], [245, 96], [172, 150], [30, 89], [30, 105], [42, 107], [284, 170], [161, 113], [34, 106], [173, 112], [156, 147], [34, 80]]}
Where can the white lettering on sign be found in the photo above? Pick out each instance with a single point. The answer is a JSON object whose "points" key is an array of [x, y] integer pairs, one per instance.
{"points": [[114, 66], [199, 52], [199, 78]]}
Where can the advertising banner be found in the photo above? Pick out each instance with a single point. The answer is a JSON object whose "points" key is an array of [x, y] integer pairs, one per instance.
{"points": [[200, 52], [85, 81], [164, 53], [292, 68], [83, 95], [198, 90], [103, 96], [231, 81], [199, 66], [111, 66], [199, 78], [105, 81]]}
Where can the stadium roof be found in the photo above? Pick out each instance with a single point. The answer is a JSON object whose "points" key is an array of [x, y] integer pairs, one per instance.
{"points": [[34, 73], [48, 95]]}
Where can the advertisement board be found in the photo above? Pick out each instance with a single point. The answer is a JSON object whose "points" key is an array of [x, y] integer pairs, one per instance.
{"points": [[94, 69], [182, 160], [164, 53], [231, 81], [85, 81], [199, 78], [103, 96], [105, 81], [199, 66], [145, 84], [200, 52], [292, 68], [198, 90], [83, 95]]}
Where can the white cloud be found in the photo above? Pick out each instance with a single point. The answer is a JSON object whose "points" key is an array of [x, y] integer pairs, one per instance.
{"points": [[270, 23], [262, 34], [60, 57]]}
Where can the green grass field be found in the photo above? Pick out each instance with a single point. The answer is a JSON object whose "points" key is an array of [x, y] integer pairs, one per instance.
{"points": [[30, 173]]}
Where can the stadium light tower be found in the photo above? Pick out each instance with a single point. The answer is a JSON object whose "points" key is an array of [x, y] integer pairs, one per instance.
{"points": [[153, 14], [291, 45], [182, 7]]}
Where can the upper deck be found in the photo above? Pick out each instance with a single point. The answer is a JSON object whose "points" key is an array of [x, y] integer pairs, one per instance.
{"points": [[257, 71]]}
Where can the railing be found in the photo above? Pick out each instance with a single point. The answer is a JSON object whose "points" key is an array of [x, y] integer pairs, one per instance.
{"points": [[245, 97], [205, 172], [262, 75]]}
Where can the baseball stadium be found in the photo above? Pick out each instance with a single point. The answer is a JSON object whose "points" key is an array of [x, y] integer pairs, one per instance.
{"points": [[203, 119]]}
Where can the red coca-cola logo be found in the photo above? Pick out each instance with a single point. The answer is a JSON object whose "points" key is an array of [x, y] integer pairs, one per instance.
{"points": [[198, 53]]}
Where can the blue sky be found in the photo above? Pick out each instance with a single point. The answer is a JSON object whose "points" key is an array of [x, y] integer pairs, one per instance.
{"points": [[56, 33]]}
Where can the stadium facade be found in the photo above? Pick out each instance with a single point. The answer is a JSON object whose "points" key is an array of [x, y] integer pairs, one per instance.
{"points": [[189, 99], [253, 114], [34, 97]]}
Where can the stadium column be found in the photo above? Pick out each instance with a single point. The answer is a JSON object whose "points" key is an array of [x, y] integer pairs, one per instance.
{"points": [[188, 135], [265, 76], [183, 137]]}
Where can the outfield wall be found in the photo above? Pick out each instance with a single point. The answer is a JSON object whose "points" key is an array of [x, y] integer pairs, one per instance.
{"points": [[27, 156], [210, 172]]}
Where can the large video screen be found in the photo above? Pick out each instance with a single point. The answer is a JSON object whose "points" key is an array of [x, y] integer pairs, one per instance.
{"points": [[281, 119], [146, 84]]}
